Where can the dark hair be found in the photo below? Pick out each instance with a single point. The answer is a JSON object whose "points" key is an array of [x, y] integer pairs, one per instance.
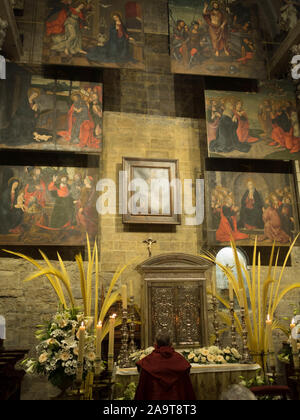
{"points": [[163, 339]]}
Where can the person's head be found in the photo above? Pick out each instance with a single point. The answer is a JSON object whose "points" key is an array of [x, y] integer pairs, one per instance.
{"points": [[64, 180], [180, 23], [163, 339], [215, 5], [250, 185], [116, 17], [239, 105], [237, 392]]}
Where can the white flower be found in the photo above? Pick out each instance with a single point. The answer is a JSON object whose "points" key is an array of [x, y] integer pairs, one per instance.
{"points": [[142, 356], [191, 356], [203, 360], [43, 357], [196, 359], [220, 359], [204, 352]]}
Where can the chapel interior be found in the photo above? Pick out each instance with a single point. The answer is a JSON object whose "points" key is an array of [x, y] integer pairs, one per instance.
{"points": [[78, 109]]}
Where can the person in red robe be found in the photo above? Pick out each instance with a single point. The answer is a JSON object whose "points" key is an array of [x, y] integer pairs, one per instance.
{"points": [[227, 229], [283, 131], [273, 228], [80, 125], [243, 124], [164, 374]]}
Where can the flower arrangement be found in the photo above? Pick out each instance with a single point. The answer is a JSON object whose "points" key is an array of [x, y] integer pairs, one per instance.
{"points": [[212, 355], [140, 354], [57, 351]]}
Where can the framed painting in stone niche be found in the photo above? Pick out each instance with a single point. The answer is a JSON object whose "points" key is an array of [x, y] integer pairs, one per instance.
{"points": [[215, 38], [261, 125], [151, 193], [46, 114], [245, 205], [47, 205], [94, 33]]}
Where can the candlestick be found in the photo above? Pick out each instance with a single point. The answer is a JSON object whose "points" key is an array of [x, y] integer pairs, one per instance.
{"points": [[269, 323], [124, 296], [215, 320], [81, 337], [132, 347], [233, 329], [112, 320], [98, 348], [246, 356]]}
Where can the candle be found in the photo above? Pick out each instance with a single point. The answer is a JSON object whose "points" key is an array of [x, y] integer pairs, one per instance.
{"points": [[292, 325], [130, 288], [81, 337], [112, 320], [241, 296], [98, 339], [213, 282], [230, 292], [124, 296], [294, 346], [269, 323]]}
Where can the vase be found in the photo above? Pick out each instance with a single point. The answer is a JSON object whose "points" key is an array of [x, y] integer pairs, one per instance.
{"points": [[63, 382]]}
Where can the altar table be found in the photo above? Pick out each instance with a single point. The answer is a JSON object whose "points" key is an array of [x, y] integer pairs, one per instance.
{"points": [[209, 381]]}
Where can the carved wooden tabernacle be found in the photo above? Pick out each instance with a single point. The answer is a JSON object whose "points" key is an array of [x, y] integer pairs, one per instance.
{"points": [[174, 299]]}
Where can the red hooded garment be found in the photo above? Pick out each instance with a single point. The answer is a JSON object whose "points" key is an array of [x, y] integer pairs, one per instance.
{"points": [[165, 375]]}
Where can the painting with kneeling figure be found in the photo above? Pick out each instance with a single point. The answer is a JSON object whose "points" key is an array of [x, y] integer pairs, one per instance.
{"points": [[259, 125], [47, 205], [47, 114], [243, 205]]}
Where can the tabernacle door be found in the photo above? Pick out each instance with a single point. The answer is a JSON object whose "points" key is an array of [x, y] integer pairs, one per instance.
{"points": [[174, 299]]}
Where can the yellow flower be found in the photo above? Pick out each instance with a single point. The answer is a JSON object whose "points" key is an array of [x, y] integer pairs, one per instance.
{"points": [[91, 356], [204, 352], [203, 360], [220, 359], [65, 356], [211, 358], [196, 359], [43, 357], [191, 356]]}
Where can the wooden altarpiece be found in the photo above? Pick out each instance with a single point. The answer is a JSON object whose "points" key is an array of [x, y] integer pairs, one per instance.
{"points": [[174, 299]]}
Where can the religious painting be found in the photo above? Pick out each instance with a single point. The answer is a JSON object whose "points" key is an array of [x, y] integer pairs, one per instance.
{"points": [[47, 205], [46, 114], [261, 125], [106, 33], [150, 191], [243, 205], [215, 38]]}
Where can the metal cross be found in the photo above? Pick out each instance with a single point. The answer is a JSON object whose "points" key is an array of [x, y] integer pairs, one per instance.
{"points": [[149, 243]]}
